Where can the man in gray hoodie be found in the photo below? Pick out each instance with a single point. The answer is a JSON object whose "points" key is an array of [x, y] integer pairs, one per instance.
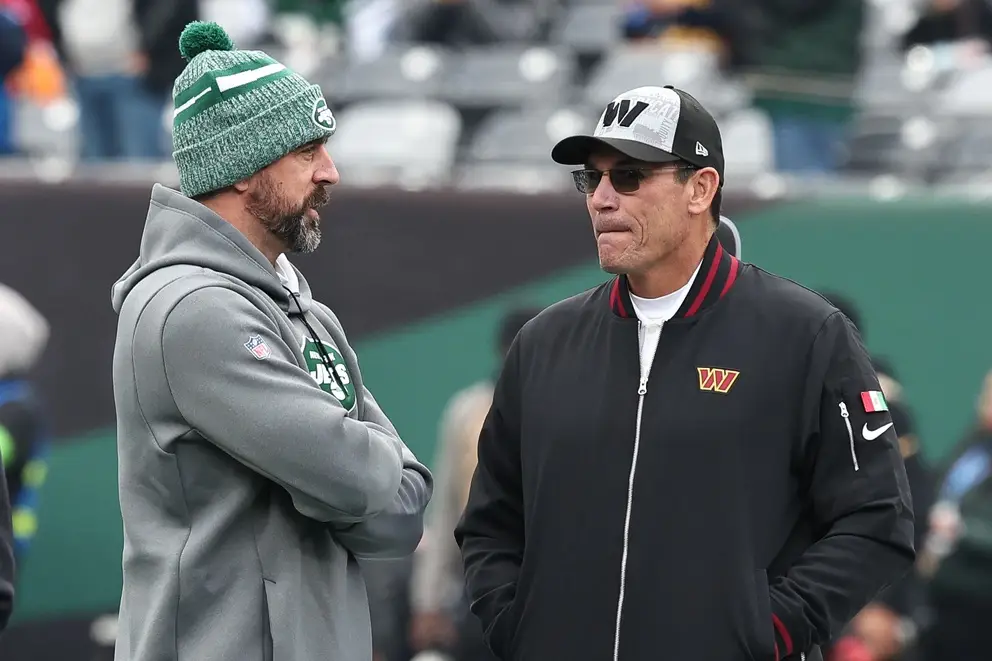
{"points": [[255, 468]]}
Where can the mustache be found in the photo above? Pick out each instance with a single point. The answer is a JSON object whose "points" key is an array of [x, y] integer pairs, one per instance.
{"points": [[318, 198]]}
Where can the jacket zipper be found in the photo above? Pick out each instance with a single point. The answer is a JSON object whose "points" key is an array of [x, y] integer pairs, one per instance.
{"points": [[646, 361], [850, 433]]}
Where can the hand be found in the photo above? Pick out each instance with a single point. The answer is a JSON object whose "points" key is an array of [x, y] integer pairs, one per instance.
{"points": [[431, 629], [850, 649], [878, 628]]}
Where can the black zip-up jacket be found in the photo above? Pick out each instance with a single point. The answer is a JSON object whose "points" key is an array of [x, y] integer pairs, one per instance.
{"points": [[727, 509]]}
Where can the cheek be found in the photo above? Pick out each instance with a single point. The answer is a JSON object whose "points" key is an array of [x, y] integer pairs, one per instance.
{"points": [[652, 215]]}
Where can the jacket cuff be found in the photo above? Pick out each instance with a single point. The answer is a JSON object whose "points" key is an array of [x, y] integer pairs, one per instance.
{"points": [[783, 640]]}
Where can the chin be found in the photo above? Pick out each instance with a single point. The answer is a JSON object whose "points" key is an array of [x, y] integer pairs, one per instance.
{"points": [[612, 261], [612, 266]]}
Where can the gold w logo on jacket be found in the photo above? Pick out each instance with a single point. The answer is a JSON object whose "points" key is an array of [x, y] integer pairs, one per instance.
{"points": [[715, 379]]}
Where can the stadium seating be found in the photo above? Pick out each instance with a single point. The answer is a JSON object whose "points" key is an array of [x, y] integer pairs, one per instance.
{"points": [[589, 28], [508, 76], [526, 136], [410, 142], [747, 144], [919, 113], [401, 73]]}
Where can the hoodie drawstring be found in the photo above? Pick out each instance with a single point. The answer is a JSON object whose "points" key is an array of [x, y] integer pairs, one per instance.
{"points": [[325, 358]]}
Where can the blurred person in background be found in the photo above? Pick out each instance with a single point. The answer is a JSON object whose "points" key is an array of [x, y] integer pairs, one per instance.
{"points": [[29, 70], [459, 23], [802, 60], [248, 446], [13, 44], [24, 435], [957, 555], [887, 627], [964, 22], [121, 55], [369, 26], [39, 81], [320, 11], [441, 618], [708, 25]]}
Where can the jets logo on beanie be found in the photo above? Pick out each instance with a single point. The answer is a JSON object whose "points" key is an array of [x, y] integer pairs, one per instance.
{"points": [[236, 112]]}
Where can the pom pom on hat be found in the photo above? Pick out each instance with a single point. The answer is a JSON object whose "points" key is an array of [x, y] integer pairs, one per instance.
{"points": [[200, 36]]}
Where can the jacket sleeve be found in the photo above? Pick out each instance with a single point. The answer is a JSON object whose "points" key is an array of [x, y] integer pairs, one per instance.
{"points": [[394, 532], [6, 554], [490, 532], [858, 493], [269, 414]]}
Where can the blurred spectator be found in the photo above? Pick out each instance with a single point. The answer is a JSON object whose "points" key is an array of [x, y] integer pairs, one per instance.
{"points": [[803, 59], [958, 552], [369, 25], [694, 23], [23, 430], [953, 20], [458, 23], [441, 618], [37, 76], [307, 32], [321, 11], [13, 44], [123, 58], [885, 627]]}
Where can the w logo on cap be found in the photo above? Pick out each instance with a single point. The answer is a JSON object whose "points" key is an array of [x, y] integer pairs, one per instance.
{"points": [[621, 110]]}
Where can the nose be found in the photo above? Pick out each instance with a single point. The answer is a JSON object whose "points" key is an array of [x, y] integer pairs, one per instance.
{"points": [[605, 197], [327, 172]]}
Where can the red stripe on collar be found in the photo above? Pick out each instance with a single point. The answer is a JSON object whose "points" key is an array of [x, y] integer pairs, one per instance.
{"points": [[717, 275], [616, 297]]}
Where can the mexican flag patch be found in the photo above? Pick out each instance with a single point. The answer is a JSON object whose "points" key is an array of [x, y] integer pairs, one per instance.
{"points": [[874, 401]]}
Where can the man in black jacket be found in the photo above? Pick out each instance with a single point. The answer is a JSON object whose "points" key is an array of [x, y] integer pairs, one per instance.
{"points": [[693, 460]]}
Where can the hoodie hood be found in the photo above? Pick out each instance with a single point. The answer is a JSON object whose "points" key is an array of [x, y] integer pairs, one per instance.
{"points": [[23, 333], [179, 230]]}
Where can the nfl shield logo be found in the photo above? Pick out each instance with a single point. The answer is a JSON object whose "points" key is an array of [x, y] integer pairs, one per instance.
{"points": [[258, 347]]}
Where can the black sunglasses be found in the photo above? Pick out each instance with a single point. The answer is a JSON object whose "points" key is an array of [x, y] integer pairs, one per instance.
{"points": [[624, 179]]}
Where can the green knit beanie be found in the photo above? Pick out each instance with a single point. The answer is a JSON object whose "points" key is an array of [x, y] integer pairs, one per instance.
{"points": [[237, 111]]}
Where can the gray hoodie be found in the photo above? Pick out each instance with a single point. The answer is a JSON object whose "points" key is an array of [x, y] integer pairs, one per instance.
{"points": [[251, 478]]}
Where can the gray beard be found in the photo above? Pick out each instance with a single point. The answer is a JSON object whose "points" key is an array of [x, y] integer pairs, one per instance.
{"points": [[298, 233], [290, 224]]}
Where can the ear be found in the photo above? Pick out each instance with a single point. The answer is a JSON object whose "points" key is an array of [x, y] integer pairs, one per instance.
{"points": [[703, 188], [243, 185]]}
